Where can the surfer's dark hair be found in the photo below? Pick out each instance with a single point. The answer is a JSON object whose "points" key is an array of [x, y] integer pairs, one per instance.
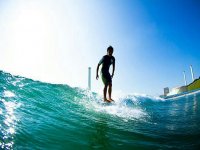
{"points": [[110, 48]]}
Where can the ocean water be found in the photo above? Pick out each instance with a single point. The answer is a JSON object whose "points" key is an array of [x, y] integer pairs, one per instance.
{"points": [[36, 115]]}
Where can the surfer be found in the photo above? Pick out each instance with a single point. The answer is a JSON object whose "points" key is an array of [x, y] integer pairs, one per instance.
{"points": [[106, 61]]}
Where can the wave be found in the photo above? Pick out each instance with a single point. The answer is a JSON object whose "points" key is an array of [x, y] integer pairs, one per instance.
{"points": [[30, 109], [129, 107]]}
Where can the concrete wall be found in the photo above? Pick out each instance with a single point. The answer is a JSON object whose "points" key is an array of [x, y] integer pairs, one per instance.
{"points": [[194, 85]]}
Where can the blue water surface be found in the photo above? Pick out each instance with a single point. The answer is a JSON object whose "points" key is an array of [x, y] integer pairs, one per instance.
{"points": [[37, 115]]}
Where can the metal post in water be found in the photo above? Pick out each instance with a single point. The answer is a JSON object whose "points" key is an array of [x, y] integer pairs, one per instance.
{"points": [[192, 72], [89, 78], [184, 78], [166, 91]]}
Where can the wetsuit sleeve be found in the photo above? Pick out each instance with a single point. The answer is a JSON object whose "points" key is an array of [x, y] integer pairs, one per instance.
{"points": [[113, 60], [101, 61]]}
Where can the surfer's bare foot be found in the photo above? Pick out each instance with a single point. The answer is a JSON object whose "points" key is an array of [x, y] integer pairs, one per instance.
{"points": [[106, 100], [111, 100]]}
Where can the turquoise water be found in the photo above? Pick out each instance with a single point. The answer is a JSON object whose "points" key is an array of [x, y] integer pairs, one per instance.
{"points": [[36, 115]]}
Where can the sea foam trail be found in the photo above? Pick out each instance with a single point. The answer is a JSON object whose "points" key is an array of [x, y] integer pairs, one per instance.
{"points": [[126, 107]]}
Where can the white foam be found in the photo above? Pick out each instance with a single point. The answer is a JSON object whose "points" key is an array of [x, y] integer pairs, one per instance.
{"points": [[8, 94], [118, 108], [141, 97], [18, 82], [127, 107], [121, 111]]}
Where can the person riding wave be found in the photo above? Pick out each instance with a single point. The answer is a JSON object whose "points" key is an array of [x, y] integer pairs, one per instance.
{"points": [[106, 62]]}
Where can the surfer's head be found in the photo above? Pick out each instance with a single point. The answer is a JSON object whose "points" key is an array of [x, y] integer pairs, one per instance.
{"points": [[110, 50]]}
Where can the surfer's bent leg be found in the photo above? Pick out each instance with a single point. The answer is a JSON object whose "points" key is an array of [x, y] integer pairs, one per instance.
{"points": [[110, 91], [105, 92]]}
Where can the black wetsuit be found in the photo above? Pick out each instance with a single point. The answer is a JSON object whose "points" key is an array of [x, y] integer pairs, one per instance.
{"points": [[106, 61]]}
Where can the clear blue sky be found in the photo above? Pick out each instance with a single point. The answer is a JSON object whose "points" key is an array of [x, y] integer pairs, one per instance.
{"points": [[163, 40], [154, 41]]}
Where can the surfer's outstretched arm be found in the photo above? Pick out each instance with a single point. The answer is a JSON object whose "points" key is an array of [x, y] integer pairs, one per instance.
{"points": [[97, 73]]}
